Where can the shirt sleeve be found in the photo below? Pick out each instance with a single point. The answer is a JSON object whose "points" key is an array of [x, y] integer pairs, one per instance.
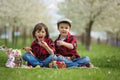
{"points": [[73, 41], [33, 48], [52, 45]]}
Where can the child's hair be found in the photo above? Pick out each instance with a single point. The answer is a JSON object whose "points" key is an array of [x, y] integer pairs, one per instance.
{"points": [[67, 21], [39, 26]]}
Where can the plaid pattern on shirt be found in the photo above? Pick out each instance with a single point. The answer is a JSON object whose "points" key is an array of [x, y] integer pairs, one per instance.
{"points": [[39, 51], [64, 51]]}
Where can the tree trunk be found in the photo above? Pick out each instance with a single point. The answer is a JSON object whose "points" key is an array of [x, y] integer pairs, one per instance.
{"points": [[24, 37], [88, 36], [117, 39], [83, 38], [16, 36], [5, 35], [13, 37]]}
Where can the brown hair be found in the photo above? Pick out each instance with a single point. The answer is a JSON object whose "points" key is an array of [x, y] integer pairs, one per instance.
{"points": [[39, 26]]}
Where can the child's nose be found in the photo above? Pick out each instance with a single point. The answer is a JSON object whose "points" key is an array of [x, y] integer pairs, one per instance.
{"points": [[63, 28], [40, 32]]}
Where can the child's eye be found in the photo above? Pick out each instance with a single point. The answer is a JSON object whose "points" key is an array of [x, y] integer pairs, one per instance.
{"points": [[61, 27], [66, 27], [38, 31], [43, 31]]}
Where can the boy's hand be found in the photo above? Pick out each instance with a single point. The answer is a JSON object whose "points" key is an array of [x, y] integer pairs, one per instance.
{"points": [[59, 43], [69, 58], [63, 43], [27, 49]]}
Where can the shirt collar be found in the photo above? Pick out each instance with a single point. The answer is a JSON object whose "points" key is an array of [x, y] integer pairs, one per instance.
{"points": [[36, 41], [67, 37]]}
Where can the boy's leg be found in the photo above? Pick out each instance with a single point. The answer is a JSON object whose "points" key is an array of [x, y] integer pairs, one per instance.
{"points": [[31, 59], [82, 61], [69, 63], [49, 59]]}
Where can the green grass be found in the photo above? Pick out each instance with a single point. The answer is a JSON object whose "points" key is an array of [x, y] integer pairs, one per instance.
{"points": [[105, 58], [19, 44]]}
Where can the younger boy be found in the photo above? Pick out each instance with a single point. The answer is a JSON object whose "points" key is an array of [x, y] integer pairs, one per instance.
{"points": [[66, 46]]}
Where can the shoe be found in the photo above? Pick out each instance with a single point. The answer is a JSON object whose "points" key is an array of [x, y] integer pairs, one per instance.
{"points": [[90, 65], [83, 66], [29, 66], [50, 65], [37, 67]]}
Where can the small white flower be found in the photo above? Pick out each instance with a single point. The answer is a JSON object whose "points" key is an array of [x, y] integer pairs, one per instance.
{"points": [[108, 60], [109, 72]]}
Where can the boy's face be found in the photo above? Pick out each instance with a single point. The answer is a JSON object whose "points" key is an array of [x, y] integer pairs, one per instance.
{"points": [[64, 28], [40, 34]]}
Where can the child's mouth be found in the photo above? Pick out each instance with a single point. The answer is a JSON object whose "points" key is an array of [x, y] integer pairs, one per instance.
{"points": [[63, 32], [40, 37]]}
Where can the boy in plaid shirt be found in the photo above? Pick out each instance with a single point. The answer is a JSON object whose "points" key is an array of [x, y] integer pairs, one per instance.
{"points": [[66, 46]]}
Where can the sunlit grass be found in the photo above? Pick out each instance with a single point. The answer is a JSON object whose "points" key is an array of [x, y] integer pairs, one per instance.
{"points": [[104, 57]]}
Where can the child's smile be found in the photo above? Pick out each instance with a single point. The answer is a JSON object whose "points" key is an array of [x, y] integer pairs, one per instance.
{"points": [[40, 37], [64, 32], [40, 34]]}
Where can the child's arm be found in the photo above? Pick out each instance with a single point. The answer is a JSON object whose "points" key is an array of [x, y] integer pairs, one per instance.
{"points": [[44, 44], [28, 49], [68, 45]]}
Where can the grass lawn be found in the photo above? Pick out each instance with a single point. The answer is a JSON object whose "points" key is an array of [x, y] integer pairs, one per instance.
{"points": [[105, 58]]}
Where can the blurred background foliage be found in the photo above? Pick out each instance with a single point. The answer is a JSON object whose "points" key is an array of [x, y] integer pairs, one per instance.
{"points": [[93, 15], [18, 17]]}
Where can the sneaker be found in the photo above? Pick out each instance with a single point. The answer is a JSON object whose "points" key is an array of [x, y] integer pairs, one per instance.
{"points": [[83, 66], [90, 65], [38, 66], [30, 66]]}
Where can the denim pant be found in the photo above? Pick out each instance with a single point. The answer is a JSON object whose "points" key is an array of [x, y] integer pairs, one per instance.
{"points": [[35, 61], [82, 61], [77, 62]]}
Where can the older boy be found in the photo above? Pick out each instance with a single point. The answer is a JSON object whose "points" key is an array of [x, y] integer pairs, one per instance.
{"points": [[66, 46]]}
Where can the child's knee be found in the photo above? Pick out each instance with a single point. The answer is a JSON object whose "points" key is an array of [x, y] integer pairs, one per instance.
{"points": [[53, 56], [87, 59], [25, 56], [60, 58]]}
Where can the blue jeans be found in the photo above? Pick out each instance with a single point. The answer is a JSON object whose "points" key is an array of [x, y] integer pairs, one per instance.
{"points": [[77, 62], [82, 61], [68, 63], [36, 61]]}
